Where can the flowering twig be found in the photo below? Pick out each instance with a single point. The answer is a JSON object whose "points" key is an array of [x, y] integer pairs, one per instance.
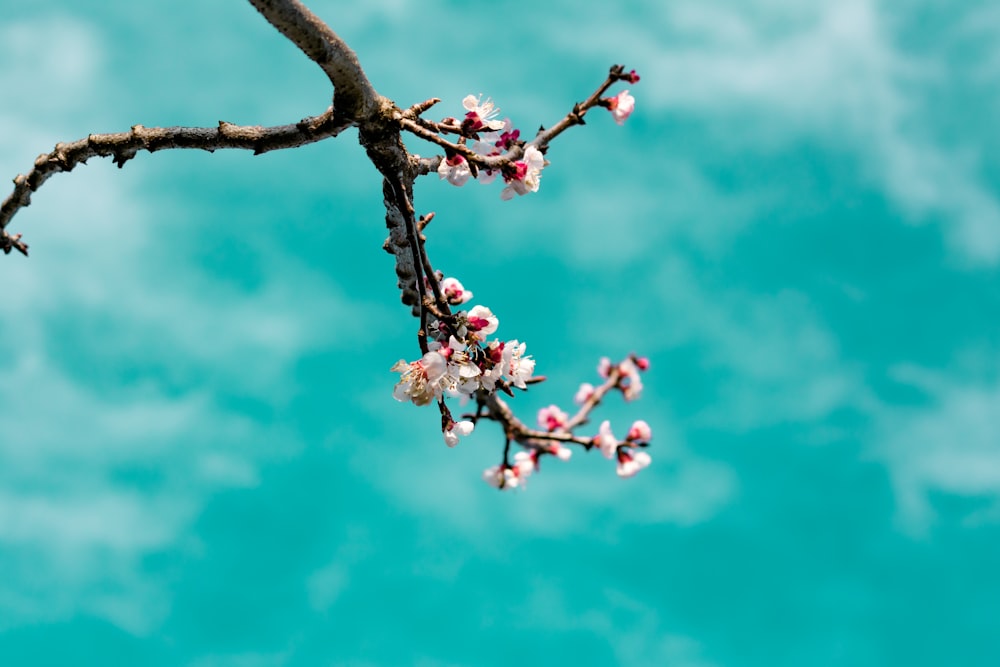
{"points": [[575, 117], [430, 131], [557, 428]]}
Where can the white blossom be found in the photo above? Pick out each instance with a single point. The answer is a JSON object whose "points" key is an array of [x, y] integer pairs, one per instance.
{"points": [[455, 170], [640, 432], [606, 440], [584, 393], [517, 367], [481, 114], [527, 176], [629, 464], [420, 380], [455, 292], [461, 428]]}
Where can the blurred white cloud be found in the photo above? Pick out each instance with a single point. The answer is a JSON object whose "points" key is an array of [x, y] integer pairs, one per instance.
{"points": [[950, 444], [833, 70], [74, 532]]}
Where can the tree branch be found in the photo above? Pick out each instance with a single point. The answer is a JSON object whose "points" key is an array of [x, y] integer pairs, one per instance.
{"points": [[575, 117], [123, 146], [354, 96]]}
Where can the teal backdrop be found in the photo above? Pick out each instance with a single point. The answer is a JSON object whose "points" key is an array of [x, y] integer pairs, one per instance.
{"points": [[201, 462]]}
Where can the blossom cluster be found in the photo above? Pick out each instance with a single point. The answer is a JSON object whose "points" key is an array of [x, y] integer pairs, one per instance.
{"points": [[461, 357], [513, 476], [459, 361], [629, 453], [630, 461], [492, 137]]}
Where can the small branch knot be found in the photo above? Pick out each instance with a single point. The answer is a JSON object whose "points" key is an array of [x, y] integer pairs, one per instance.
{"points": [[12, 242]]}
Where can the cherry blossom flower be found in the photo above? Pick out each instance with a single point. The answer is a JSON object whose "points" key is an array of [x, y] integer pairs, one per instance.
{"points": [[517, 367], [455, 170], [525, 463], [630, 463], [584, 393], [492, 375], [454, 292], [639, 432], [604, 367], [552, 418], [456, 429], [480, 114], [502, 477], [631, 383], [482, 322], [526, 176], [420, 379], [606, 440], [495, 143], [621, 106], [560, 452]]}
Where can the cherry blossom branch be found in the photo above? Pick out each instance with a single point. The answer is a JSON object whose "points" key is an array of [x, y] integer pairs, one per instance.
{"points": [[123, 146], [575, 116], [562, 429], [558, 428], [458, 359], [432, 132]]}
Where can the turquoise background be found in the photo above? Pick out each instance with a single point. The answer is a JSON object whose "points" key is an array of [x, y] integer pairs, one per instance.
{"points": [[200, 459]]}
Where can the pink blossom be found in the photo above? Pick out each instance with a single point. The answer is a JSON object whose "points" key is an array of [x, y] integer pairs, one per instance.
{"points": [[604, 367], [454, 292], [621, 106], [584, 393], [630, 463], [508, 138], [492, 144], [640, 432], [632, 77], [552, 418]]}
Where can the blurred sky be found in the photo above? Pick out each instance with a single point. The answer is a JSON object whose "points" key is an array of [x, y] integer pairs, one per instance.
{"points": [[201, 462]]}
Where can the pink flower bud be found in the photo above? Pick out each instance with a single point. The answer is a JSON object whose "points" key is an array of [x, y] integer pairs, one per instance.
{"points": [[621, 106], [640, 432]]}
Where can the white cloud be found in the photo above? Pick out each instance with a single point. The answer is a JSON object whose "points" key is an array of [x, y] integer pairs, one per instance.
{"points": [[832, 70], [949, 446], [633, 629], [75, 531]]}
